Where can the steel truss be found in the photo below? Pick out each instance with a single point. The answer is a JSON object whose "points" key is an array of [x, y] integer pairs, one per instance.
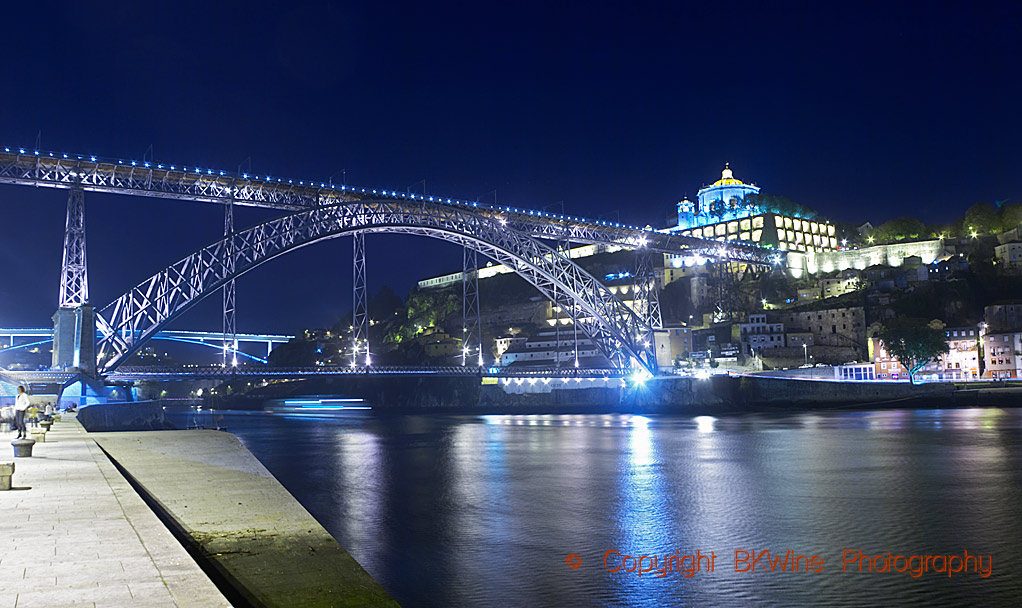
{"points": [[359, 302], [724, 304], [230, 322], [647, 298], [126, 373], [471, 329], [50, 169], [74, 275], [137, 315]]}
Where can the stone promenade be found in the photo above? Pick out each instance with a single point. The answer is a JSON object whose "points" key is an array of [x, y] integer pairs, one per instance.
{"points": [[74, 533]]}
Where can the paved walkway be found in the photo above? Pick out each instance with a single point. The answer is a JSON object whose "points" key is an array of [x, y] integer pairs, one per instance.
{"points": [[74, 533]]}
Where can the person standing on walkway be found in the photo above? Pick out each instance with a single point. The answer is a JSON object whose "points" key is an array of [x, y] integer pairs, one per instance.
{"points": [[20, 405]]}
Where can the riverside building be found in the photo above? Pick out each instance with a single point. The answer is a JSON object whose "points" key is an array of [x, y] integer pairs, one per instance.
{"points": [[722, 214]]}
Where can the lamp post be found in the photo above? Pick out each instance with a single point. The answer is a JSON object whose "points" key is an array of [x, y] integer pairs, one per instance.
{"points": [[805, 351]]}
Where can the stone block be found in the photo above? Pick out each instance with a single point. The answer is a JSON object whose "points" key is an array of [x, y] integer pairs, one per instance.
{"points": [[6, 472], [23, 448]]}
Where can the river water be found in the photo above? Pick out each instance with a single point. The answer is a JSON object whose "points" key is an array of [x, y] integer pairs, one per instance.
{"points": [[485, 510]]}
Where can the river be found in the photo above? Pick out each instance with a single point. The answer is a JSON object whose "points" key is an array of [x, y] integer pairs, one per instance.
{"points": [[493, 510]]}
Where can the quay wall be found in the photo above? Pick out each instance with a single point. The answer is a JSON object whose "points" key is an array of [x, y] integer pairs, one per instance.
{"points": [[130, 416], [718, 394]]}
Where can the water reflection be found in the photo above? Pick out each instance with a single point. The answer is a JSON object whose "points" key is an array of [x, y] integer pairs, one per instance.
{"points": [[481, 511]]}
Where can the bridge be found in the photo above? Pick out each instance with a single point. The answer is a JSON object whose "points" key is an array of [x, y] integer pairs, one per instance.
{"points": [[202, 338], [532, 243]]}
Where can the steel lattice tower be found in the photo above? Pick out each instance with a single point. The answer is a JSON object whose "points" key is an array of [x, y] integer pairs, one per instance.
{"points": [[648, 298], [360, 306], [471, 326], [74, 276], [230, 326], [724, 307]]}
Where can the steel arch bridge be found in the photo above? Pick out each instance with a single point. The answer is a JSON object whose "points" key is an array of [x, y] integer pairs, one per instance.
{"points": [[324, 210], [137, 315]]}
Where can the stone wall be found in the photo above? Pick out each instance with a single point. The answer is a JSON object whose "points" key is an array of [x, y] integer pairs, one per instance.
{"points": [[800, 264], [132, 416]]}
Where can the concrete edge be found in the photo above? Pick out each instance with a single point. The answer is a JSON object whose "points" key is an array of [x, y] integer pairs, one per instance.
{"points": [[179, 577]]}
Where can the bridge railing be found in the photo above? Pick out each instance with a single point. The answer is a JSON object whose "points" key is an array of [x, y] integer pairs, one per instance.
{"points": [[203, 184], [217, 371]]}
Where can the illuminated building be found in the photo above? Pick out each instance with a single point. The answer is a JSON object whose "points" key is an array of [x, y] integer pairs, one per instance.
{"points": [[721, 201], [722, 214], [1000, 355], [547, 349], [962, 359], [1009, 257], [757, 334], [887, 367]]}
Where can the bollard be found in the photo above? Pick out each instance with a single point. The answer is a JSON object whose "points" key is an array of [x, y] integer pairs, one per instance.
{"points": [[46, 424], [5, 427], [6, 471], [38, 435], [23, 448]]}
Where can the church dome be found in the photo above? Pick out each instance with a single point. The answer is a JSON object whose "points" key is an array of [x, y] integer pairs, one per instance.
{"points": [[727, 178]]}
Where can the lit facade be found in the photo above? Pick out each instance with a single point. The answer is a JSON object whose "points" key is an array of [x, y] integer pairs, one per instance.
{"points": [[721, 201], [547, 349], [1009, 257], [962, 360], [723, 215], [887, 367], [831, 327], [771, 230], [1000, 353], [757, 335], [672, 343]]}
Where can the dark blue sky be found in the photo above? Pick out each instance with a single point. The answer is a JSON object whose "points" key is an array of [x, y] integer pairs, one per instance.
{"points": [[864, 112]]}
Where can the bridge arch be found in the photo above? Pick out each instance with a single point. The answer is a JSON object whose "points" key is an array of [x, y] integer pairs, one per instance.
{"points": [[136, 316]]}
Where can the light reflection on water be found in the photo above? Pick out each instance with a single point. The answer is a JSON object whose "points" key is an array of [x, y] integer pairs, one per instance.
{"points": [[481, 511]]}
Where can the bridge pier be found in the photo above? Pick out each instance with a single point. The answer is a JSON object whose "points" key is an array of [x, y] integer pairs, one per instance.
{"points": [[74, 339], [360, 302]]}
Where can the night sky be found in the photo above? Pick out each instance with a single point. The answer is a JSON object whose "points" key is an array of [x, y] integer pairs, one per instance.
{"points": [[613, 109]]}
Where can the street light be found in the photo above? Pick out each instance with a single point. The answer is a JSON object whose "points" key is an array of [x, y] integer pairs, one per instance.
{"points": [[805, 351]]}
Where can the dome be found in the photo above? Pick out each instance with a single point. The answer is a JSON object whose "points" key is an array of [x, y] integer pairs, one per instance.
{"points": [[727, 178]]}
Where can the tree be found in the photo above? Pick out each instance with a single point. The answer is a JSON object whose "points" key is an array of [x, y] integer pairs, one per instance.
{"points": [[1011, 216], [899, 229], [913, 342], [982, 218], [783, 205], [718, 208]]}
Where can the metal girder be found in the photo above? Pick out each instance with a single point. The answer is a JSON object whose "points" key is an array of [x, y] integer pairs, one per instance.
{"points": [[127, 373], [230, 322], [471, 332], [74, 275], [49, 169], [138, 314], [724, 306], [647, 300], [359, 302]]}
